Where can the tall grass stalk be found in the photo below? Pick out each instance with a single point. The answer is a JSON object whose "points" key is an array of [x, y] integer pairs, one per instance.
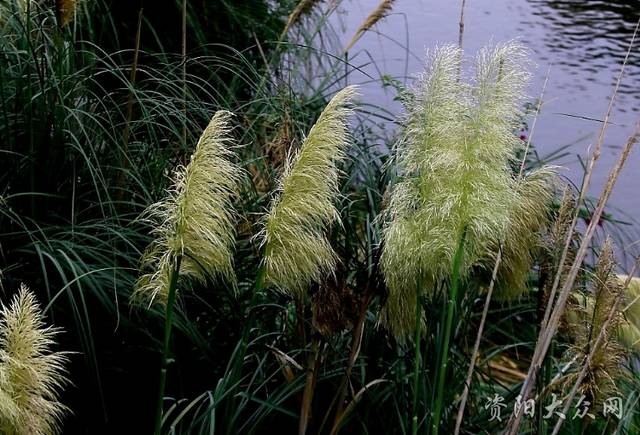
{"points": [[124, 162], [358, 333], [313, 365], [444, 350], [183, 47], [297, 250], [417, 364], [236, 363], [452, 126], [195, 229], [168, 326], [476, 345], [461, 24]]}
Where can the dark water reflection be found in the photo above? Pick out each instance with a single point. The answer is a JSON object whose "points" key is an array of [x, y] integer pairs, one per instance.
{"points": [[586, 37]]}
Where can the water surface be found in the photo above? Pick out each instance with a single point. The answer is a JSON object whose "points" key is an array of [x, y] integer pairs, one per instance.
{"points": [[582, 41]]}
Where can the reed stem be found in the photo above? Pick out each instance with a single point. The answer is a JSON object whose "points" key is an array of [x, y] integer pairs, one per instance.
{"points": [[417, 362], [461, 24], [184, 74], [313, 365], [168, 325], [444, 352], [476, 345]]}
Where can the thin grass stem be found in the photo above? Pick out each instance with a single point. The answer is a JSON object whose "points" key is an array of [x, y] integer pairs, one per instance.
{"points": [[124, 160], [353, 356], [313, 365], [444, 351], [461, 24], [476, 345], [417, 362], [184, 74], [168, 325]]}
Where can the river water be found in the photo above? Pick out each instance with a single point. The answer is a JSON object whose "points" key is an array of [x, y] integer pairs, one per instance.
{"points": [[580, 42]]}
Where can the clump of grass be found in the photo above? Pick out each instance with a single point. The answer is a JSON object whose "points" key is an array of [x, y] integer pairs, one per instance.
{"points": [[196, 221], [555, 309], [31, 373], [296, 248]]}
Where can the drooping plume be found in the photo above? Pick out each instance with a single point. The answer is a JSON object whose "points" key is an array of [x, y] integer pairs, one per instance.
{"points": [[454, 162], [381, 11], [31, 373], [197, 218], [529, 218], [297, 251], [303, 8]]}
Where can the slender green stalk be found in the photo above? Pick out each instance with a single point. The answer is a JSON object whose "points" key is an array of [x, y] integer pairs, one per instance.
{"points": [[257, 288], [236, 370], [168, 324], [416, 363], [444, 351]]}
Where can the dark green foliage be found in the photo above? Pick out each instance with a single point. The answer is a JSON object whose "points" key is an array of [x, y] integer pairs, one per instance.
{"points": [[84, 149]]}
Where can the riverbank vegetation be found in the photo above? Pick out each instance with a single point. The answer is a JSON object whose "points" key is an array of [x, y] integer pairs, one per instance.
{"points": [[218, 235]]}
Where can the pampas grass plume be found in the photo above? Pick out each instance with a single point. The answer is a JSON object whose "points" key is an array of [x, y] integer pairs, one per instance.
{"points": [[530, 217], [454, 165], [31, 374], [303, 8], [196, 220], [297, 251]]}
